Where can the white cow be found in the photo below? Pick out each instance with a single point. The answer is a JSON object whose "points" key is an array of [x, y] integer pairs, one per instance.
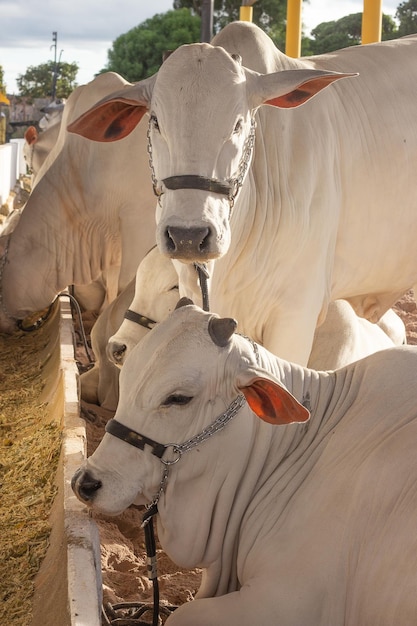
{"points": [[310, 523], [149, 298], [91, 211], [37, 145], [327, 207]]}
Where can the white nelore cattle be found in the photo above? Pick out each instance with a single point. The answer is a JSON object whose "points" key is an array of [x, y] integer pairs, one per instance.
{"points": [[148, 299], [328, 204], [37, 145], [155, 295], [91, 212], [311, 523]]}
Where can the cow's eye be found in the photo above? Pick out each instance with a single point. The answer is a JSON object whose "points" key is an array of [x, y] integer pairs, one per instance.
{"points": [[154, 122], [238, 126], [176, 399]]}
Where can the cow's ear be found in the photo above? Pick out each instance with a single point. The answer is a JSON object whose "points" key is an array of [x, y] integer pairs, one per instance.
{"points": [[115, 116], [109, 121], [273, 403], [291, 88], [31, 135]]}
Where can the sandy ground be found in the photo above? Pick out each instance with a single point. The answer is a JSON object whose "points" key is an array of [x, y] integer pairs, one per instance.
{"points": [[123, 554]]}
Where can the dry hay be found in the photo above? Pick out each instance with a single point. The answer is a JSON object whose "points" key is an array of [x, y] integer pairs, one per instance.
{"points": [[29, 451]]}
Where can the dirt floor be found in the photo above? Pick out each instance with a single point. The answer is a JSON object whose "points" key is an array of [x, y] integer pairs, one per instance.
{"points": [[123, 554]]}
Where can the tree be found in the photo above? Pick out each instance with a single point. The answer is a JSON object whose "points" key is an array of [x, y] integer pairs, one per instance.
{"points": [[270, 15], [138, 53], [406, 14], [37, 81], [345, 32]]}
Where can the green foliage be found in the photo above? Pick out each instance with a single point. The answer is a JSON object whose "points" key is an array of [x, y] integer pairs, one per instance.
{"points": [[138, 53], [270, 15], [342, 33], [37, 81], [406, 14]]}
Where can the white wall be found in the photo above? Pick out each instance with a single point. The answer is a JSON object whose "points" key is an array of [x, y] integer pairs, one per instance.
{"points": [[6, 161], [21, 163]]}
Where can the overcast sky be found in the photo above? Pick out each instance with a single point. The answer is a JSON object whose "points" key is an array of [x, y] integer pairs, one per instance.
{"points": [[87, 28]]}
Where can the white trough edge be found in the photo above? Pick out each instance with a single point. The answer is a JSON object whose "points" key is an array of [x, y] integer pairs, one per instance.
{"points": [[83, 542]]}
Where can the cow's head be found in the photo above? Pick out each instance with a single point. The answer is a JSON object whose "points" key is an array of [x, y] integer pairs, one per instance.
{"points": [[182, 377], [156, 294], [202, 106]]}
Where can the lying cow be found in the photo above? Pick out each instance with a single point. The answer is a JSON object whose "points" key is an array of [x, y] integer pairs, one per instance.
{"points": [[295, 521], [327, 206]]}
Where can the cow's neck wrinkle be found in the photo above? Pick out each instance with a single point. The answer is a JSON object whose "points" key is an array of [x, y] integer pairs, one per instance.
{"points": [[295, 449]]}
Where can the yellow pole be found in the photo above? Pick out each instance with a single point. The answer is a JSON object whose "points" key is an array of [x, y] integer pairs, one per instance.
{"points": [[293, 38], [246, 14], [371, 21]]}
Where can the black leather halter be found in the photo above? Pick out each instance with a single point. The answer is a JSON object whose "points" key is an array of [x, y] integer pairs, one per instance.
{"points": [[124, 433], [140, 319], [194, 181]]}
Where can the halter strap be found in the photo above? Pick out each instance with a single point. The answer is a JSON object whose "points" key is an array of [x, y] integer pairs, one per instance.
{"points": [[124, 433], [140, 319], [137, 440], [229, 188], [194, 181]]}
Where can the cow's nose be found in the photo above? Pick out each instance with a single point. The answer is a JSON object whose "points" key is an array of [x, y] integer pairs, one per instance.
{"points": [[116, 352], [84, 485], [187, 243]]}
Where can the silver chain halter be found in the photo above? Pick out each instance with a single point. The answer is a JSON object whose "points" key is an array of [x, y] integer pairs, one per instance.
{"points": [[115, 428], [229, 187]]}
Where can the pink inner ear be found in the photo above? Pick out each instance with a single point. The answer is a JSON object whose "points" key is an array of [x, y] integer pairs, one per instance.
{"points": [[274, 404], [109, 121], [31, 135], [304, 92]]}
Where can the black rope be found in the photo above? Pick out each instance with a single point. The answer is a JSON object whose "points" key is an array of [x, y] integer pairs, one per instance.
{"points": [[132, 612], [203, 277], [74, 303], [38, 323], [150, 543]]}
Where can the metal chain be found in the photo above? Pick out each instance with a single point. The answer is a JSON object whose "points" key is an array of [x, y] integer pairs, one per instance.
{"points": [[254, 348], [157, 191], [180, 448], [207, 432], [242, 169]]}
